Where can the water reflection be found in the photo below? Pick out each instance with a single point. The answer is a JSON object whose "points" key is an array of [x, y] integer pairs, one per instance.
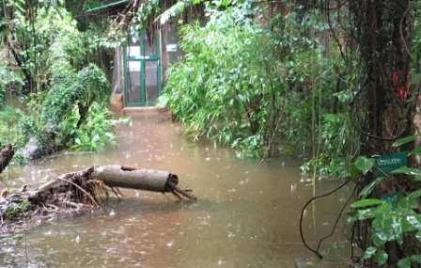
{"points": [[246, 217]]}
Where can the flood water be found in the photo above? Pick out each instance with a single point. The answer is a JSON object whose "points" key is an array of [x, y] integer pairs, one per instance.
{"points": [[246, 216]]}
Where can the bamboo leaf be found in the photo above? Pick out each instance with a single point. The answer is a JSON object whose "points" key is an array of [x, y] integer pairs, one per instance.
{"points": [[368, 189], [404, 140], [408, 171], [369, 202]]}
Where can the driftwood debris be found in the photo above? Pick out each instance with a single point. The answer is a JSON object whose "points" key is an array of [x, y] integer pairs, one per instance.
{"points": [[86, 189], [141, 179], [6, 154]]}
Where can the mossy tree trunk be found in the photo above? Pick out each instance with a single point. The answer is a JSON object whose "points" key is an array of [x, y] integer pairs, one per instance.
{"points": [[6, 155], [383, 109]]}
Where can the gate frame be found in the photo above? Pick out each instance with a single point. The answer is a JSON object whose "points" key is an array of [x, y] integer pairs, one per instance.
{"points": [[155, 57]]}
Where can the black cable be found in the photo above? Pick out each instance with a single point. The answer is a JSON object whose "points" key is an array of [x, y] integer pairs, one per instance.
{"points": [[337, 219], [315, 251]]}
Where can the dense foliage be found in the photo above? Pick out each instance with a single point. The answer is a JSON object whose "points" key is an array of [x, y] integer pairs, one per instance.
{"points": [[394, 218], [222, 87], [61, 116], [322, 81], [50, 67], [240, 84]]}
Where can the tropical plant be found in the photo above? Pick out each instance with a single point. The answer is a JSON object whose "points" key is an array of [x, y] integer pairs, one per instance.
{"points": [[393, 214], [221, 89], [96, 132], [259, 90]]}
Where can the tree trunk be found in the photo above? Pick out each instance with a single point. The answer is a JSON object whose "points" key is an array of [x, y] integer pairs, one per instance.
{"points": [[382, 108], [140, 179], [6, 154], [83, 190], [383, 33]]}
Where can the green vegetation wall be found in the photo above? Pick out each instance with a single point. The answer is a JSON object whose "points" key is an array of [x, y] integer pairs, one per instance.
{"points": [[265, 91], [49, 67]]}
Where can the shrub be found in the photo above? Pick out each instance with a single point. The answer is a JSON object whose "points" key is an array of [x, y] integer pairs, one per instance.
{"points": [[223, 86], [96, 132], [264, 91]]}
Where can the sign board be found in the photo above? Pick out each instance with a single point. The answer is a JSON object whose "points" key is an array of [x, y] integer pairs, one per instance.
{"points": [[134, 66], [134, 51], [172, 48], [389, 162]]}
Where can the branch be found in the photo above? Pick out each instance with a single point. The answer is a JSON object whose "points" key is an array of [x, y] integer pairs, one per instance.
{"points": [[19, 62]]}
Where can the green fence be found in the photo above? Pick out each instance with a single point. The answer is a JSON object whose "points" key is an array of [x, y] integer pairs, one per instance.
{"points": [[142, 71]]}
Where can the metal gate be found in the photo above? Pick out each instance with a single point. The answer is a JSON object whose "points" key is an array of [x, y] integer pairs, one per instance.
{"points": [[142, 71]]}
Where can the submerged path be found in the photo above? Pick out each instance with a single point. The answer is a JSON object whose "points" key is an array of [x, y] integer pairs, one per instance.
{"points": [[247, 215]]}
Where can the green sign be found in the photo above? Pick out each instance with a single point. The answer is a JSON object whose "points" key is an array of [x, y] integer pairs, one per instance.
{"points": [[389, 162]]}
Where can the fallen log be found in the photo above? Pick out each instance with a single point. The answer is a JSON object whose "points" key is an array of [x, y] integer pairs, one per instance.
{"points": [[141, 179], [6, 154], [78, 191]]}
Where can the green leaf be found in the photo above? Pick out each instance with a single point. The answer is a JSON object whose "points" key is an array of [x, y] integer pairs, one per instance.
{"points": [[370, 187], [404, 263], [225, 3], [381, 257], [379, 240], [364, 214], [416, 151], [415, 195], [412, 199], [369, 252], [408, 171], [418, 235], [369, 202], [414, 221], [416, 258], [364, 164], [404, 140]]}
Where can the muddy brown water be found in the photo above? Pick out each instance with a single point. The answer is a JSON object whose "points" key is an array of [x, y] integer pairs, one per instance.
{"points": [[246, 216]]}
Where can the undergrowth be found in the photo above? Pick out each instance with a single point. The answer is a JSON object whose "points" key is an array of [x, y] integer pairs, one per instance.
{"points": [[266, 91]]}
